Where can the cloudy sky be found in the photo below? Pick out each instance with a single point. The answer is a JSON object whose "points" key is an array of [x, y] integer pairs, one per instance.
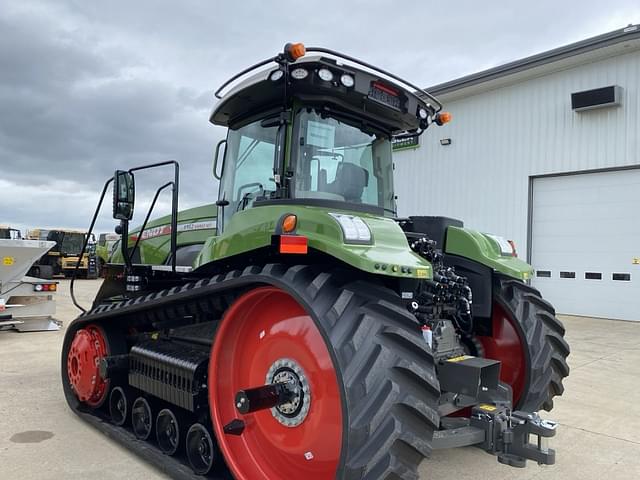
{"points": [[89, 86]]}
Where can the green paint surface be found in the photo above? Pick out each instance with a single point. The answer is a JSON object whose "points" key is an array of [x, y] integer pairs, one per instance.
{"points": [[155, 250], [102, 251], [388, 253], [485, 250]]}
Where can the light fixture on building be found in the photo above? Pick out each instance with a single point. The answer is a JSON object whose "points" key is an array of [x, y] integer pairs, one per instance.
{"points": [[445, 141]]}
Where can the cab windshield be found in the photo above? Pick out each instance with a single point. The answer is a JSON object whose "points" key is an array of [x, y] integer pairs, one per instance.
{"points": [[338, 161], [72, 243]]}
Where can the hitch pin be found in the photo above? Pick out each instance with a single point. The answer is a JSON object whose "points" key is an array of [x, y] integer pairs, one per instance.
{"points": [[543, 444]]}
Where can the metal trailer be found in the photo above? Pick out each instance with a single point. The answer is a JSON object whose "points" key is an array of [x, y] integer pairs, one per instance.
{"points": [[27, 304]]}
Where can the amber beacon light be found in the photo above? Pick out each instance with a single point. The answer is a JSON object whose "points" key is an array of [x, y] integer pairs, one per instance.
{"points": [[294, 51], [442, 118]]}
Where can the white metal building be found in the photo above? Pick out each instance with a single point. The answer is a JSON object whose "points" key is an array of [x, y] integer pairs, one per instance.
{"points": [[557, 173]]}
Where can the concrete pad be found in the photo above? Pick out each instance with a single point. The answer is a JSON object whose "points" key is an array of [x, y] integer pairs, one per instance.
{"points": [[31, 399], [598, 436]]}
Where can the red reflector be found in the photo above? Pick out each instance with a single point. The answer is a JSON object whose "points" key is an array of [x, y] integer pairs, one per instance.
{"points": [[385, 88], [293, 244]]}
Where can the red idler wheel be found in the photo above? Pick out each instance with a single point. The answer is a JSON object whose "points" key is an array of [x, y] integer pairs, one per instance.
{"points": [[506, 345], [88, 347], [265, 337]]}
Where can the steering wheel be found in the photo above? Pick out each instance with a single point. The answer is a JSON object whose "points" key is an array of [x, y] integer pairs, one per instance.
{"points": [[242, 200], [248, 185]]}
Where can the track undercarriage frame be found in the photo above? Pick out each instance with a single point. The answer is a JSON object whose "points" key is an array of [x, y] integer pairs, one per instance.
{"points": [[492, 425]]}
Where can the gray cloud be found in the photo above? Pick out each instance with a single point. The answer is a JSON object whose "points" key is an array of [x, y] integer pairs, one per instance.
{"points": [[88, 87]]}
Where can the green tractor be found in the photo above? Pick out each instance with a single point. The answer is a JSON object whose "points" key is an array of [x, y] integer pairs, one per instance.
{"points": [[195, 225], [104, 247], [305, 331]]}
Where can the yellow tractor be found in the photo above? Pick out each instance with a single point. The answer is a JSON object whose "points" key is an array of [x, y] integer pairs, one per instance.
{"points": [[62, 259]]}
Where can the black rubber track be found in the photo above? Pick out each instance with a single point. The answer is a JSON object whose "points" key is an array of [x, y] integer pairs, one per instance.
{"points": [[543, 334], [389, 385]]}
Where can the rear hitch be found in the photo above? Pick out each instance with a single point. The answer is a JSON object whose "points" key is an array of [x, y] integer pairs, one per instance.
{"points": [[507, 435], [493, 425], [500, 432]]}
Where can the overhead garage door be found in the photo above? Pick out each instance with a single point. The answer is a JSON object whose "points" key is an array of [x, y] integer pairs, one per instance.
{"points": [[585, 244]]}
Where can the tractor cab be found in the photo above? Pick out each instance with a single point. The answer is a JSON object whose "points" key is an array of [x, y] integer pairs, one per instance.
{"points": [[316, 131], [68, 242]]}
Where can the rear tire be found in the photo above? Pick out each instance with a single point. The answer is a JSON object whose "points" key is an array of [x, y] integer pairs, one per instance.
{"points": [[383, 369], [45, 272], [537, 375]]}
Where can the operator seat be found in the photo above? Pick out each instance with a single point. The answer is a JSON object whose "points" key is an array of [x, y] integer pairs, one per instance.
{"points": [[350, 182]]}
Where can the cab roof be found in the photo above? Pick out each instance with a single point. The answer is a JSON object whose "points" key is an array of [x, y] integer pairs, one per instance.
{"points": [[373, 96]]}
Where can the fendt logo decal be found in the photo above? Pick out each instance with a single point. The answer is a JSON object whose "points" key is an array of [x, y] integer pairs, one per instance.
{"points": [[166, 229]]}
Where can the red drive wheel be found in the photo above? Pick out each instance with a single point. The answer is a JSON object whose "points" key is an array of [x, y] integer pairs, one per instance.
{"points": [[88, 347], [265, 338], [529, 341], [507, 346]]}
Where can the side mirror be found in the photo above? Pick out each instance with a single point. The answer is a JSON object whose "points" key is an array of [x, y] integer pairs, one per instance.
{"points": [[124, 193]]}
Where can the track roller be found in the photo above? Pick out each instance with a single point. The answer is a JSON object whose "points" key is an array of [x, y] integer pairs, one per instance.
{"points": [[168, 431], [119, 406], [200, 449], [142, 418]]}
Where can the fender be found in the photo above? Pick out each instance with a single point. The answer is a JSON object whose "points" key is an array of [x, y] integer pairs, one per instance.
{"points": [[387, 254], [483, 249]]}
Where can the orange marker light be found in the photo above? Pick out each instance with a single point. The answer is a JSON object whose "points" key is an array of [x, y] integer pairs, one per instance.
{"points": [[443, 117], [289, 223], [294, 51]]}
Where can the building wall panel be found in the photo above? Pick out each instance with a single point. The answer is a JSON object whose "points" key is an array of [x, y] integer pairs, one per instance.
{"points": [[502, 137]]}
